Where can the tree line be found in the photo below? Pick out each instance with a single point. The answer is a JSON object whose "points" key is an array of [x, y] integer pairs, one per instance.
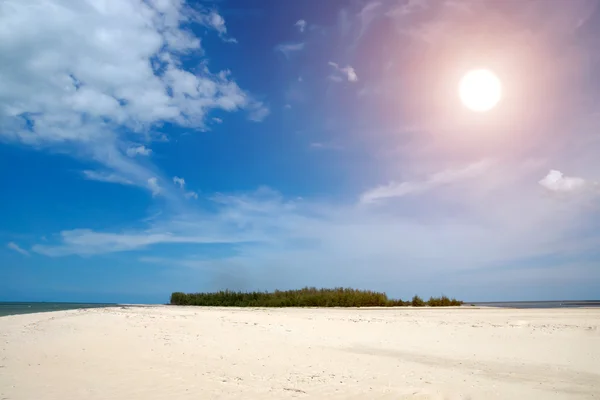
{"points": [[306, 297]]}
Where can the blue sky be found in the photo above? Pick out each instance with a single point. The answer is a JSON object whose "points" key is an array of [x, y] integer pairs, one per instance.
{"points": [[162, 145]]}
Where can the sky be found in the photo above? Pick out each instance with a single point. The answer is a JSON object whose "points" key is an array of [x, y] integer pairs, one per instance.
{"points": [[152, 146]]}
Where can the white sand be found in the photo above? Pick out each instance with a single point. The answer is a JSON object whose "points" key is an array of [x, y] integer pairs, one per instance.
{"points": [[206, 353]]}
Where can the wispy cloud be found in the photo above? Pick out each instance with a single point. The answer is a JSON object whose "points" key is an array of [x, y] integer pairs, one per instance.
{"points": [[301, 25], [17, 248], [366, 16], [288, 49], [216, 22], [88, 242], [191, 195], [179, 181], [400, 189], [104, 176], [348, 72], [138, 150], [154, 186], [258, 113]]}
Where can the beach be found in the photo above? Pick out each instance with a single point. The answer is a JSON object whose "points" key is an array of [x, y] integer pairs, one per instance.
{"points": [[169, 352]]}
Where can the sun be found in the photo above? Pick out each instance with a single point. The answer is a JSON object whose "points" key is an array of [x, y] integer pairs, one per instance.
{"points": [[480, 90]]}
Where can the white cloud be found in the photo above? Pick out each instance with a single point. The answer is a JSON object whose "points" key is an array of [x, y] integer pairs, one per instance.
{"points": [[289, 48], [138, 150], [85, 76], [258, 113], [366, 16], [179, 181], [213, 20], [191, 195], [217, 120], [348, 72], [557, 182], [301, 25], [395, 189], [154, 186], [88, 242], [104, 176], [17, 248]]}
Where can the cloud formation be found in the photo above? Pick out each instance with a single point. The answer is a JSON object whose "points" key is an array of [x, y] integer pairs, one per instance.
{"points": [[17, 248], [215, 21], [88, 242], [347, 72], [400, 189], [556, 181], [138, 151], [179, 181], [91, 76], [287, 49], [301, 25], [154, 186], [104, 176]]}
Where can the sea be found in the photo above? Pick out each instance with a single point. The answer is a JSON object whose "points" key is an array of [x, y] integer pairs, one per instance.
{"points": [[14, 308], [538, 304]]}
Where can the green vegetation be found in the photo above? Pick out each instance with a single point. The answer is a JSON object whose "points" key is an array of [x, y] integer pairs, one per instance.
{"points": [[307, 297], [417, 301]]}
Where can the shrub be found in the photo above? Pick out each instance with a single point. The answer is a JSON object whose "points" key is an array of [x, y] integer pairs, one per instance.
{"points": [[454, 302], [179, 298], [417, 301], [306, 297], [443, 302], [434, 302]]}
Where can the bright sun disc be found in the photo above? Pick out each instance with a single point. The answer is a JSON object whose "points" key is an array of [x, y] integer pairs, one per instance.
{"points": [[480, 90]]}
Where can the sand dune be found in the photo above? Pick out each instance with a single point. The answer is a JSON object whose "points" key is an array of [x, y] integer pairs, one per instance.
{"points": [[208, 353]]}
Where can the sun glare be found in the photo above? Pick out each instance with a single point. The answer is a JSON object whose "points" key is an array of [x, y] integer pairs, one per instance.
{"points": [[480, 90]]}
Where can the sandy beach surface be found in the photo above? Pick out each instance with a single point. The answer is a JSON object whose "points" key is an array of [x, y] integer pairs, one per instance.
{"points": [[166, 352]]}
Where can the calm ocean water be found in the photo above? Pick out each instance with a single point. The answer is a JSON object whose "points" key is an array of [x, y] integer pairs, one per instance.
{"points": [[540, 304], [13, 308]]}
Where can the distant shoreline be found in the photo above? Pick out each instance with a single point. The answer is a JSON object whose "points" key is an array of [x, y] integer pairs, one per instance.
{"points": [[537, 304]]}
